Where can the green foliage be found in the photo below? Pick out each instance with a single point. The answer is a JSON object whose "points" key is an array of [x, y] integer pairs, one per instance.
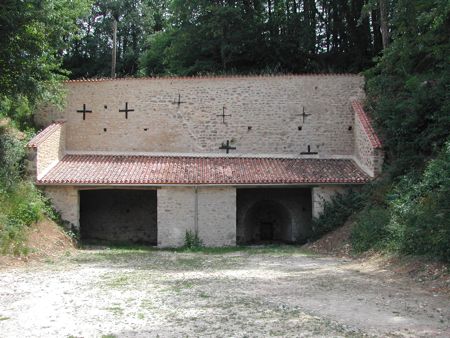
{"points": [[337, 211], [415, 218], [371, 228], [409, 97], [12, 153], [21, 204], [160, 37], [192, 241], [408, 90], [420, 222], [90, 54], [33, 34], [20, 207]]}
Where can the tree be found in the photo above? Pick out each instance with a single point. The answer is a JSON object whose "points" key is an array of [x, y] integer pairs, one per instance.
{"points": [[33, 36]]}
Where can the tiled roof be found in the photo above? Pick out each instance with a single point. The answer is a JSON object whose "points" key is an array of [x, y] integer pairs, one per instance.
{"points": [[211, 77], [161, 170], [367, 125], [44, 134]]}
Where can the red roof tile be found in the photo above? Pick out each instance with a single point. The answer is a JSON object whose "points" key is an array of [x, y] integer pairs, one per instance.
{"points": [[367, 125], [161, 170], [44, 134]]}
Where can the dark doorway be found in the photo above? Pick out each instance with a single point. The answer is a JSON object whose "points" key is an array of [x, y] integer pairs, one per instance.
{"points": [[118, 216], [273, 215], [267, 221]]}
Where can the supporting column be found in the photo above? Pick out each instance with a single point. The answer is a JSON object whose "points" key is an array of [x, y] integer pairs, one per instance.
{"points": [[66, 201]]}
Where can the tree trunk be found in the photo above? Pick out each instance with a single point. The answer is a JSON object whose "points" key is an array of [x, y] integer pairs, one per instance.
{"points": [[384, 23], [114, 50], [376, 28]]}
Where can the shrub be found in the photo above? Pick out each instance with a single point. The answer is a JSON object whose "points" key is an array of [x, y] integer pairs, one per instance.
{"points": [[12, 154], [370, 229], [20, 207], [192, 240], [337, 211], [421, 211]]}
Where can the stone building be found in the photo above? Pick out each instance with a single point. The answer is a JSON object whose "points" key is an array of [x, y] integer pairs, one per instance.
{"points": [[236, 159]]}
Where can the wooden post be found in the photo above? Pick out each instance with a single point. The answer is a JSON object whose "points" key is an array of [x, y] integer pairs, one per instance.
{"points": [[114, 49]]}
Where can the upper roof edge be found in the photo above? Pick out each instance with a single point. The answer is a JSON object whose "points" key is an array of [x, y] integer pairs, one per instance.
{"points": [[367, 124], [212, 77], [44, 134]]}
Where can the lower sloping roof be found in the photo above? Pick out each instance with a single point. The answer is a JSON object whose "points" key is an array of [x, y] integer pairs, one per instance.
{"points": [[185, 170]]}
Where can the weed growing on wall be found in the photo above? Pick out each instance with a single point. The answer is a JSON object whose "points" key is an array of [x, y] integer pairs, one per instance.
{"points": [[192, 240]]}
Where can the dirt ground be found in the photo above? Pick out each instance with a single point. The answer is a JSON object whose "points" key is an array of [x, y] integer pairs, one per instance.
{"points": [[275, 291]]}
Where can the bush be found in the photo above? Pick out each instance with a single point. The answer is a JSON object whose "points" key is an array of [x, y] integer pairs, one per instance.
{"points": [[420, 221], [192, 241], [12, 154], [336, 212], [370, 228], [415, 216], [20, 207]]}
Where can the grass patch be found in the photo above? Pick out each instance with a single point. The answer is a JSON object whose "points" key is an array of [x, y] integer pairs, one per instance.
{"points": [[118, 282], [116, 310], [3, 318]]}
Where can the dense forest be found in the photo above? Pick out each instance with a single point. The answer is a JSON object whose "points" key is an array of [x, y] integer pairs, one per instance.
{"points": [[241, 36], [401, 46]]}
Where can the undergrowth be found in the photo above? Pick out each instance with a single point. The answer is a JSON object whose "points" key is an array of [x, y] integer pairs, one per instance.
{"points": [[336, 211], [21, 204], [414, 217]]}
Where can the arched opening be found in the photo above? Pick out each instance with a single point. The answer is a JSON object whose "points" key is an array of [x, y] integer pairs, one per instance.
{"points": [[267, 221]]}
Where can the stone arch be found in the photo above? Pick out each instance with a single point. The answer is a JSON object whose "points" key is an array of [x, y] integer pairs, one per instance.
{"points": [[267, 221]]}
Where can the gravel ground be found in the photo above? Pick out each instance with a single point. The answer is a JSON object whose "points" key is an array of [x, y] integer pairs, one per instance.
{"points": [[255, 292]]}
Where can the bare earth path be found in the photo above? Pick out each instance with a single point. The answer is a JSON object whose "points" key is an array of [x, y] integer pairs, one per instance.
{"points": [[247, 293]]}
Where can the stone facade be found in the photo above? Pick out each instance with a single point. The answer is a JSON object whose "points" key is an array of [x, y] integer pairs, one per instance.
{"points": [[66, 201], [179, 116], [50, 150], [176, 215], [211, 212], [266, 115]]}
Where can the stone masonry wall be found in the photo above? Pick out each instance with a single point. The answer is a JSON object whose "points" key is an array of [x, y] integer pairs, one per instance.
{"points": [[369, 158], [216, 215], [65, 199], [50, 151], [323, 194], [266, 114], [176, 215]]}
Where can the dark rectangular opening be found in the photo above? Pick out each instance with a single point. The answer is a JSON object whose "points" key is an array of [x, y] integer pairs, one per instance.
{"points": [[273, 215], [118, 216]]}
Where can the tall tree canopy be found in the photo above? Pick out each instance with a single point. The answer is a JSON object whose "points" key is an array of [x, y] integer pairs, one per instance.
{"points": [[33, 36], [226, 36]]}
